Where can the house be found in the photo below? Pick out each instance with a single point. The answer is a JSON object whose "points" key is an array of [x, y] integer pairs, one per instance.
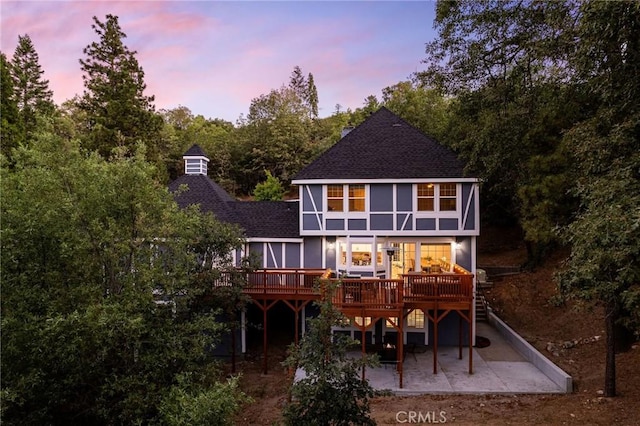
{"points": [[387, 209]]}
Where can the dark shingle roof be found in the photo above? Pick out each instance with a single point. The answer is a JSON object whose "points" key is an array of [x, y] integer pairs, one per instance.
{"points": [[195, 151], [267, 219], [205, 192], [384, 147]]}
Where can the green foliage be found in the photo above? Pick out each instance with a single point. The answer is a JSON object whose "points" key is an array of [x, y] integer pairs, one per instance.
{"points": [[269, 190], [31, 90], [187, 405], [508, 65], [332, 391], [119, 113], [277, 136], [605, 235], [9, 114], [424, 108], [306, 90], [101, 309]]}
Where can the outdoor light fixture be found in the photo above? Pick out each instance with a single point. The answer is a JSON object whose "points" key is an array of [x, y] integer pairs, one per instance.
{"points": [[390, 250], [331, 246]]}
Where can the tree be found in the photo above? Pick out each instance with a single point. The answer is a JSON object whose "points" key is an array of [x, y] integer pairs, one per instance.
{"points": [[605, 236], [276, 136], [332, 391], [424, 108], [269, 190], [101, 303], [9, 114], [508, 66], [120, 113], [306, 90], [31, 89]]}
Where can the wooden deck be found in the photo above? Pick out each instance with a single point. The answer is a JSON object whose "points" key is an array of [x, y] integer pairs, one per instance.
{"points": [[371, 296], [436, 294]]}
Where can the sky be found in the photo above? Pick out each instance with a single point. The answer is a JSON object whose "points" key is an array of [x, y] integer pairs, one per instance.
{"points": [[214, 57]]}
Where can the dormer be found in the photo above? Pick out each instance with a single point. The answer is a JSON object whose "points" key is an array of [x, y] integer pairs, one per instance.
{"points": [[195, 161]]}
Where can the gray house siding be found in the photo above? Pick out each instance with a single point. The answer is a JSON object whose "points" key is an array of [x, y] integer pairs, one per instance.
{"points": [[448, 224], [335, 224], [292, 253], [404, 221], [274, 255], [448, 334], [308, 203], [257, 250], [404, 196], [463, 253], [310, 222], [427, 224], [382, 222], [313, 252], [468, 199], [381, 198], [357, 224]]}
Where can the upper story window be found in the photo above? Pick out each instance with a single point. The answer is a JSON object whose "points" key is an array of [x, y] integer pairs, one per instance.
{"points": [[445, 193], [426, 197], [335, 198], [356, 198], [448, 197]]}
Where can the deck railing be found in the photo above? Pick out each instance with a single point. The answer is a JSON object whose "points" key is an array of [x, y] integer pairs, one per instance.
{"points": [[432, 287], [369, 293], [276, 281]]}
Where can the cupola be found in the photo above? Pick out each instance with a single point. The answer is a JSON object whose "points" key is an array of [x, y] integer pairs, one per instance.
{"points": [[195, 161]]}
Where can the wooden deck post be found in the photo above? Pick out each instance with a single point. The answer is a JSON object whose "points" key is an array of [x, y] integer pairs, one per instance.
{"points": [[459, 336], [400, 349], [471, 317], [264, 339]]}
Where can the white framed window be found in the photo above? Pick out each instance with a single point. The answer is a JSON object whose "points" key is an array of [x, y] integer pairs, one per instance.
{"points": [[362, 321], [426, 197], [361, 254], [415, 319], [357, 198], [448, 197], [441, 197], [335, 198]]}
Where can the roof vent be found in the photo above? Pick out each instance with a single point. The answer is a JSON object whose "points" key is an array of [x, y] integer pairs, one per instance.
{"points": [[397, 125]]}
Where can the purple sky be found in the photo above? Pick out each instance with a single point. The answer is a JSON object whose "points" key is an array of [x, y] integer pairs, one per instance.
{"points": [[215, 57]]}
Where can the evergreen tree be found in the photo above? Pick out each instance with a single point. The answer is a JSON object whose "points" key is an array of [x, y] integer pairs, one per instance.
{"points": [[10, 129], [312, 96], [306, 90], [31, 90], [120, 113]]}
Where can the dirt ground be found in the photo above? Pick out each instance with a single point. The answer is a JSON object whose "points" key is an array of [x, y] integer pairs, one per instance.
{"points": [[571, 336]]}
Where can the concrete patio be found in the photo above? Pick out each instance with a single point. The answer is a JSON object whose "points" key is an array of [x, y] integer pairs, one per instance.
{"points": [[497, 369]]}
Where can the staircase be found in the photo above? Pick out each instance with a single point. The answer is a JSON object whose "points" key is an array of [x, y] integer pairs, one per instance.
{"points": [[481, 310]]}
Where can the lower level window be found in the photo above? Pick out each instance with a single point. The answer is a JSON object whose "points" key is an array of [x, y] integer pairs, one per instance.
{"points": [[416, 319]]}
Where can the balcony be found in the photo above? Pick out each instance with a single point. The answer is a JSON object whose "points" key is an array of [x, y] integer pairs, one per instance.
{"points": [[278, 283], [371, 296]]}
